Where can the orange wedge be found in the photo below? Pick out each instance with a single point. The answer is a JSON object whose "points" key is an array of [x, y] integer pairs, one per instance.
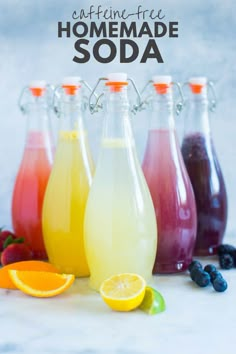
{"points": [[5, 280], [41, 284]]}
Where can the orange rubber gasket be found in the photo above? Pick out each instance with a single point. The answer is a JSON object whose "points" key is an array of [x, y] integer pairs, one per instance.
{"points": [[161, 88], [196, 88], [37, 91], [71, 89], [116, 86]]}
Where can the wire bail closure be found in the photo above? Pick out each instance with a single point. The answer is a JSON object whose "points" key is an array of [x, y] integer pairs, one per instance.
{"points": [[25, 91], [178, 106], [94, 107], [213, 101]]}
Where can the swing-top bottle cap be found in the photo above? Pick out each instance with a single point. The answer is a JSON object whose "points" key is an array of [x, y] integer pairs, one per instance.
{"points": [[71, 84], [37, 87], [197, 83], [162, 79], [71, 81], [117, 77], [116, 81], [162, 83]]}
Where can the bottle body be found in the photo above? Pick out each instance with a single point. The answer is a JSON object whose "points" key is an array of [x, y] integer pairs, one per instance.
{"points": [[120, 229], [64, 204], [29, 189], [173, 200], [210, 193], [204, 171]]}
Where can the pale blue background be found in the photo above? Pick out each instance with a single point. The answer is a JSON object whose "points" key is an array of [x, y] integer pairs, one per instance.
{"points": [[30, 49]]}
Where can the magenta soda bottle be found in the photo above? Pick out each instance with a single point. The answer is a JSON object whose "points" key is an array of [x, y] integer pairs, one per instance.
{"points": [[169, 184], [204, 170]]}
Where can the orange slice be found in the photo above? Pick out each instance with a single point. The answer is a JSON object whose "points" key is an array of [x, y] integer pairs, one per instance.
{"points": [[41, 284], [5, 280]]}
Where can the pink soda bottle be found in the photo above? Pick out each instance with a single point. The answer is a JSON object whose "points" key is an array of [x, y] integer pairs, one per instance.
{"points": [[204, 170], [169, 184], [35, 168]]}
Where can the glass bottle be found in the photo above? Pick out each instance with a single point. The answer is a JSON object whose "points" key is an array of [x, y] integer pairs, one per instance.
{"points": [[69, 184], [169, 184], [35, 168], [120, 225], [204, 171]]}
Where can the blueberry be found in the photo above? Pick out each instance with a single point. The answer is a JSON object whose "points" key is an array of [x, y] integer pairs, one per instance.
{"points": [[194, 264], [195, 272], [215, 274], [223, 249], [220, 285], [209, 268], [202, 279], [233, 254], [226, 261]]}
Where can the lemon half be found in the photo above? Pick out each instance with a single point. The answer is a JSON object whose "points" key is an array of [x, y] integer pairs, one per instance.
{"points": [[123, 292]]}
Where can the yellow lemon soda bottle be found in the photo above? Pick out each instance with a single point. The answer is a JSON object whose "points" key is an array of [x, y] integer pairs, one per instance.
{"points": [[120, 224], [68, 186]]}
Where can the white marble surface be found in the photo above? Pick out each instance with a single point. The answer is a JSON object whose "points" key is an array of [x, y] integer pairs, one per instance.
{"points": [[196, 321]]}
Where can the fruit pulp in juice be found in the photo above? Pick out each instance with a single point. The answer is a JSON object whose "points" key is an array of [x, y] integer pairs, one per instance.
{"points": [[120, 226], [173, 201], [64, 204], [29, 189], [210, 193]]}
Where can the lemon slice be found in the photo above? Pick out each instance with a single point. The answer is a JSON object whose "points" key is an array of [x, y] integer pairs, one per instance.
{"points": [[153, 302], [123, 292], [41, 284]]}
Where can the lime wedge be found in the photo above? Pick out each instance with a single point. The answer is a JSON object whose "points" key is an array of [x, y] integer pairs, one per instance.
{"points": [[153, 302]]}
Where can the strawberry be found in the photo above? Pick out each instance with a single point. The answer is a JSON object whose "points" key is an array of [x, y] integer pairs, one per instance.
{"points": [[3, 236], [16, 252]]}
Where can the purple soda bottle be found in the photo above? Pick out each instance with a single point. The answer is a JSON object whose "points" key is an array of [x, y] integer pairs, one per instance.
{"points": [[204, 171], [169, 184]]}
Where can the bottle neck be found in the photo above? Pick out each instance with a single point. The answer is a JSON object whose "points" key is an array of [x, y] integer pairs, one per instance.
{"points": [[39, 132], [117, 121], [162, 116], [37, 115], [71, 115], [197, 118]]}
